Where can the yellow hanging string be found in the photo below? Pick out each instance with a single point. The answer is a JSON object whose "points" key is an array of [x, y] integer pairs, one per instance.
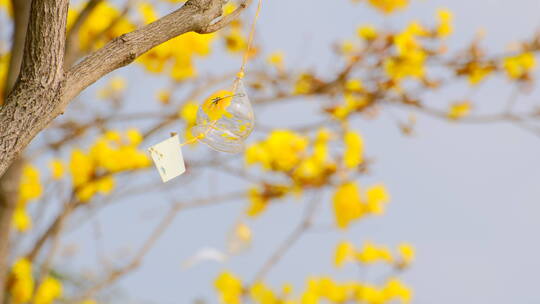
{"points": [[245, 59], [239, 75]]}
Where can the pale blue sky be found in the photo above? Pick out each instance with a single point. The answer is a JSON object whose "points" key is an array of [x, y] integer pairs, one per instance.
{"points": [[465, 195]]}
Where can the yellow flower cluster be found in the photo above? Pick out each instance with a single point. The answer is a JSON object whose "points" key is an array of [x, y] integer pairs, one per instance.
{"points": [[318, 289], [111, 153], [259, 199], [370, 253], [325, 288], [519, 66], [103, 24], [21, 281], [367, 32], [477, 71], [354, 98], [6, 4], [30, 188], [235, 41], [410, 58], [283, 150], [229, 288], [388, 6], [445, 26], [48, 291], [349, 205], [175, 56]]}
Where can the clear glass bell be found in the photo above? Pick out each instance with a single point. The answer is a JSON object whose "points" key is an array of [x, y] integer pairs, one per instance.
{"points": [[225, 120]]}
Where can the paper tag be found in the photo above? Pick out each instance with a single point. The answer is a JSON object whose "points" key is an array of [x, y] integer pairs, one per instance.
{"points": [[168, 158]]}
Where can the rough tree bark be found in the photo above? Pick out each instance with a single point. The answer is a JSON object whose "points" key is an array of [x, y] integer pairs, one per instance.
{"points": [[43, 88]]}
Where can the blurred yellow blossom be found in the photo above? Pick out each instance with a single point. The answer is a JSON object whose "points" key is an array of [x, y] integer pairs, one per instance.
{"points": [[367, 32], [260, 293], [345, 252], [407, 253], [276, 59], [21, 220], [164, 96], [22, 281], [395, 290], [444, 17], [371, 253], [112, 152], [388, 6], [57, 168], [48, 291], [347, 204], [229, 288], [30, 186], [235, 41], [376, 198], [281, 151], [459, 110], [354, 149], [520, 65]]}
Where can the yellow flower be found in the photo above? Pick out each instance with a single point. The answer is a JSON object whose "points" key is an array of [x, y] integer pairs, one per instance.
{"points": [[22, 285], [459, 110], [345, 252], [376, 197], [57, 168], [229, 288], [81, 167], [477, 72], [445, 17], [188, 112], [30, 187], [257, 203], [519, 66], [354, 149], [134, 137], [276, 59], [48, 291], [216, 105], [164, 96], [388, 6], [281, 151], [235, 41], [260, 293], [372, 253], [354, 85], [407, 253], [347, 204], [395, 290], [21, 219], [147, 11], [367, 32]]}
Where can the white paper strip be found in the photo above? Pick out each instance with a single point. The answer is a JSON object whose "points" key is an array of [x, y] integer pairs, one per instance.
{"points": [[167, 156]]}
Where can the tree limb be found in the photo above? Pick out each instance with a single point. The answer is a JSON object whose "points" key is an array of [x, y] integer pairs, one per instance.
{"points": [[42, 92]]}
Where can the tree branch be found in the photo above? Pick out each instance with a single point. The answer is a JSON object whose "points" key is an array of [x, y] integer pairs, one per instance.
{"points": [[193, 16]]}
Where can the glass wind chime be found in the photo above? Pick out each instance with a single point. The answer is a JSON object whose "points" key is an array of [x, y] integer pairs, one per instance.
{"points": [[224, 121]]}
